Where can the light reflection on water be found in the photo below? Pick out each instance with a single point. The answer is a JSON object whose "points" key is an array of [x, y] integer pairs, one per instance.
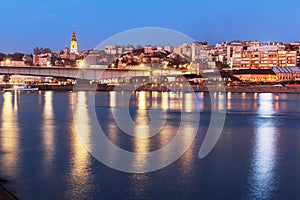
{"points": [[266, 105], [82, 118], [10, 135], [79, 174], [255, 123], [112, 101], [141, 144], [48, 130], [262, 177], [188, 99], [165, 101]]}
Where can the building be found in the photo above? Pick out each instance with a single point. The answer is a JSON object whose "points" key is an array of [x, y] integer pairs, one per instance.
{"points": [[73, 43], [266, 59], [43, 59], [255, 75], [269, 47], [287, 73], [273, 74], [111, 49], [12, 63], [185, 50]]}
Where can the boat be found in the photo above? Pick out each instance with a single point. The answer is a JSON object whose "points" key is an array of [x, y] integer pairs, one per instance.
{"points": [[21, 88]]}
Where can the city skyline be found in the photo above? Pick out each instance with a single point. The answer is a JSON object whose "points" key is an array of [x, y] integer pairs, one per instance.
{"points": [[30, 24]]}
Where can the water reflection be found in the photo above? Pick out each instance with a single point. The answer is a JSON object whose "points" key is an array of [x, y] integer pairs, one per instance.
{"points": [[262, 178], [200, 100], [165, 101], [81, 117], [188, 159], [276, 103], [9, 136], [218, 101], [255, 95], [244, 95], [112, 99], [142, 139], [141, 145], [142, 122], [139, 184], [142, 100], [48, 130], [176, 100], [265, 108], [188, 102], [229, 104], [80, 160], [16, 101], [154, 103], [283, 102]]}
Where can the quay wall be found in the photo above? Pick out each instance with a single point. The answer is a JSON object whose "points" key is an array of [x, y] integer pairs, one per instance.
{"points": [[195, 88]]}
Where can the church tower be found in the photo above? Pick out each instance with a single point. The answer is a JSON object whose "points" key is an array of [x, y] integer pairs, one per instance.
{"points": [[73, 43]]}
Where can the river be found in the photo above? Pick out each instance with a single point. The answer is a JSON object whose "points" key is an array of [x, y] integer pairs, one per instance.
{"points": [[256, 157]]}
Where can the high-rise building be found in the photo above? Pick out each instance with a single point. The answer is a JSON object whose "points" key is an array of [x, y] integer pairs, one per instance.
{"points": [[73, 44]]}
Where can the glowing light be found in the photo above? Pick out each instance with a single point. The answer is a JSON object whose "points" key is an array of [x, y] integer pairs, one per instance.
{"points": [[81, 63], [8, 62], [48, 64]]}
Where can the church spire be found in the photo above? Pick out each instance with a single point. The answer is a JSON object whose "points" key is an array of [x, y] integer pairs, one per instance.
{"points": [[73, 42], [74, 34]]}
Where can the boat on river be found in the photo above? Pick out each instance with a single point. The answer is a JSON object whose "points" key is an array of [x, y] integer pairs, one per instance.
{"points": [[21, 88]]}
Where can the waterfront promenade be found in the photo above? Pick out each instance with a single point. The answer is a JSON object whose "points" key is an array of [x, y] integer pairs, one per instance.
{"points": [[169, 88]]}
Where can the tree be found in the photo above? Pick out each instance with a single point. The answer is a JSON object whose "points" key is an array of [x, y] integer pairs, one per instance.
{"points": [[2, 56], [6, 78], [41, 50], [46, 50], [37, 51], [16, 56], [28, 60], [140, 47]]}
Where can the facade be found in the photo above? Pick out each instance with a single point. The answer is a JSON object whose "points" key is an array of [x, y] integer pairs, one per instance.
{"points": [[257, 55], [277, 47], [266, 59], [13, 63], [184, 49], [287, 73], [273, 74], [43, 59]]}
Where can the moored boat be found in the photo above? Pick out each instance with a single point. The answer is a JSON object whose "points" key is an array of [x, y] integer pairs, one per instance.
{"points": [[21, 88]]}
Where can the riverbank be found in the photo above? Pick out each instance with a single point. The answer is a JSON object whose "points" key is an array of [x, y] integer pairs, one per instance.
{"points": [[174, 88], [5, 194]]}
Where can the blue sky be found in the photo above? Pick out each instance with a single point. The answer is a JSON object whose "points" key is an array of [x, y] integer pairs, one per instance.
{"points": [[29, 23]]}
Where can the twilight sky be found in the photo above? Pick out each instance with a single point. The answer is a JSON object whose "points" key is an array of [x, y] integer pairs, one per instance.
{"points": [[27, 24]]}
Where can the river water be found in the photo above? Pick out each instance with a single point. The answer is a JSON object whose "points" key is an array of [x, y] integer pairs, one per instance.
{"points": [[256, 157]]}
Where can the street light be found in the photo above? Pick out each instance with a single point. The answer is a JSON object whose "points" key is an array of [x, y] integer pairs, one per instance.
{"points": [[7, 62]]}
